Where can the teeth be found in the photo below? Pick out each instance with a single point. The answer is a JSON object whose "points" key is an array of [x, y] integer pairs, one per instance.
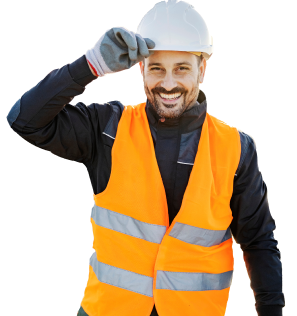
{"points": [[170, 96]]}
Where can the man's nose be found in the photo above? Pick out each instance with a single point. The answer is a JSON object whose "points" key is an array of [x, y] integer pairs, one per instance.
{"points": [[168, 82]]}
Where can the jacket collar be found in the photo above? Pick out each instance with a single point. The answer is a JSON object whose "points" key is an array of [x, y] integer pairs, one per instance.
{"points": [[190, 120]]}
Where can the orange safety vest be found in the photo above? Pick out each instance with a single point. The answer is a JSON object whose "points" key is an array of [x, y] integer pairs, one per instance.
{"points": [[185, 268]]}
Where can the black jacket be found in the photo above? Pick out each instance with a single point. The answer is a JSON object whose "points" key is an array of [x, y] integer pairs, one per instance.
{"points": [[44, 117]]}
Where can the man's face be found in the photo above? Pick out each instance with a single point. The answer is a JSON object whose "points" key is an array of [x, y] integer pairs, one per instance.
{"points": [[171, 81]]}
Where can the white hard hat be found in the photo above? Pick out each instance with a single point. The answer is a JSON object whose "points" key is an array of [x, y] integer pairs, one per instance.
{"points": [[176, 26]]}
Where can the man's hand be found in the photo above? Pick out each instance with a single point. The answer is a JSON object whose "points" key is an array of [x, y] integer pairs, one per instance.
{"points": [[118, 49]]}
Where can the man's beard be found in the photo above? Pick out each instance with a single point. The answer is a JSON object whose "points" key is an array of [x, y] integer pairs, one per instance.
{"points": [[189, 98]]}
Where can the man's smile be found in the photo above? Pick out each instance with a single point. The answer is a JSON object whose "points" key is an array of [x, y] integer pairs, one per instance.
{"points": [[170, 101]]}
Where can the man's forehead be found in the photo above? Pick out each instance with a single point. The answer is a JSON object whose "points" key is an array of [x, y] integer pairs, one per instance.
{"points": [[171, 57]]}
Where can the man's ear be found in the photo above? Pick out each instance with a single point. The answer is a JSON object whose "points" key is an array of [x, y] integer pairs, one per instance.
{"points": [[202, 70]]}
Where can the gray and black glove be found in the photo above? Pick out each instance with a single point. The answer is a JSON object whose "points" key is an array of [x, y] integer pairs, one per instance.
{"points": [[118, 49]]}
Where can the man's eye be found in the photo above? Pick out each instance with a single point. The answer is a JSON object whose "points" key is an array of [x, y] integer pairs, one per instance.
{"points": [[178, 68], [156, 68], [183, 68]]}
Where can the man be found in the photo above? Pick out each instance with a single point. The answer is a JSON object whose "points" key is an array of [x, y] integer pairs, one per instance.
{"points": [[170, 181]]}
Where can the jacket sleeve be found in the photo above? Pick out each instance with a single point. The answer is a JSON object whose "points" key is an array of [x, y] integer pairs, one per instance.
{"points": [[252, 227], [44, 117]]}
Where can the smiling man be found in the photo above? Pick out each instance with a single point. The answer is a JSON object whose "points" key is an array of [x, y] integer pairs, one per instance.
{"points": [[171, 182], [171, 81]]}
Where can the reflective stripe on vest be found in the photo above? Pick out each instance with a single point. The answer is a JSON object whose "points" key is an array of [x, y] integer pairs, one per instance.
{"points": [[154, 233], [139, 259]]}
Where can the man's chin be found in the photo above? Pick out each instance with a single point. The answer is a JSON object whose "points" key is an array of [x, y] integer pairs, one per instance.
{"points": [[171, 111]]}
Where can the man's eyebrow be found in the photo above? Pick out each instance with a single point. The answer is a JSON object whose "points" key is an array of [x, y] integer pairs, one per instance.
{"points": [[177, 64]]}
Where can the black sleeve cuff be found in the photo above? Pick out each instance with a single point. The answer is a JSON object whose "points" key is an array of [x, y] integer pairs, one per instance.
{"points": [[270, 310], [80, 72]]}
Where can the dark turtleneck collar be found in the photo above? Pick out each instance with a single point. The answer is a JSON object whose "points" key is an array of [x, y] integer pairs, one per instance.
{"points": [[190, 120]]}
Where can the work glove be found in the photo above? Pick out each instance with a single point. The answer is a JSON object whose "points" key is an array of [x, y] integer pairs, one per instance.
{"points": [[118, 49]]}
